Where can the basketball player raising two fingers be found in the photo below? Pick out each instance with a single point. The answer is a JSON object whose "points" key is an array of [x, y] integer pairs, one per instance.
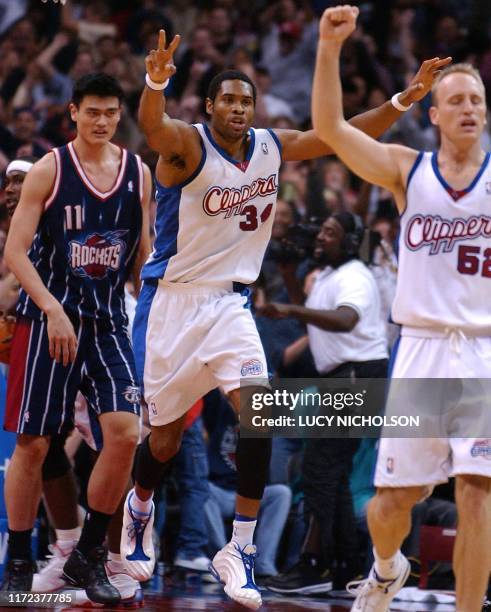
{"points": [[216, 194], [442, 304]]}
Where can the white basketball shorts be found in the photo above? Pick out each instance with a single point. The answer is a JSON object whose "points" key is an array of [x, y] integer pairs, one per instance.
{"points": [[189, 339], [405, 462]]}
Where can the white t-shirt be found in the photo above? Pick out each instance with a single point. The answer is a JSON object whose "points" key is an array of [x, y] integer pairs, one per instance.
{"points": [[353, 285]]}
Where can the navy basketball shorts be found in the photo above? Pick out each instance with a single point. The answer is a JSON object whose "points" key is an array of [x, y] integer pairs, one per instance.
{"points": [[41, 393]]}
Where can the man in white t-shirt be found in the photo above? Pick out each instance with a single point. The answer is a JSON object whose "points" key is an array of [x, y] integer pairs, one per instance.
{"points": [[342, 311], [348, 340]]}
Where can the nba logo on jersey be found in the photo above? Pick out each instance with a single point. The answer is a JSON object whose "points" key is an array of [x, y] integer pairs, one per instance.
{"points": [[264, 147], [130, 186], [390, 465], [488, 188]]}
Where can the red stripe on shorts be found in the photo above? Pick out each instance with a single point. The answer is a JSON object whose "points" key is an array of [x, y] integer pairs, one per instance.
{"points": [[17, 372]]}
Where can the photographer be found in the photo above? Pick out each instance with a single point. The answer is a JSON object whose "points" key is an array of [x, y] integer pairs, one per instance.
{"points": [[348, 340]]}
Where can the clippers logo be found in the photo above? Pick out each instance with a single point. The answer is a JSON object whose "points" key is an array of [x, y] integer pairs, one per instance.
{"points": [[438, 233], [232, 201], [253, 367], [481, 448], [99, 254]]}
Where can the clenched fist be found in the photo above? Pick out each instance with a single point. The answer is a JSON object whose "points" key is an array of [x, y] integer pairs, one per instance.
{"points": [[338, 23]]}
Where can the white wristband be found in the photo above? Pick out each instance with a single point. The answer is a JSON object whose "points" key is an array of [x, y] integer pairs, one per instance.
{"points": [[396, 104], [154, 85]]}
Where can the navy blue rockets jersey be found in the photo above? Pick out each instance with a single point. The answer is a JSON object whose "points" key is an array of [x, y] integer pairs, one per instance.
{"points": [[86, 240]]}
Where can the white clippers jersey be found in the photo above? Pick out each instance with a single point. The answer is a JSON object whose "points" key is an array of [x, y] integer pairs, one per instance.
{"points": [[214, 228], [444, 277]]}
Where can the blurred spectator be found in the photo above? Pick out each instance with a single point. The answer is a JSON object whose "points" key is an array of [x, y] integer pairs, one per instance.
{"points": [[24, 139], [197, 66], [289, 52], [274, 106]]}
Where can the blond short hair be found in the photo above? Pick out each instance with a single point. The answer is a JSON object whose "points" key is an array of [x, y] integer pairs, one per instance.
{"points": [[463, 67]]}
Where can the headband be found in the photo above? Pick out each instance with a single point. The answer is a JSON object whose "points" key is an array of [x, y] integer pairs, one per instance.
{"points": [[19, 165]]}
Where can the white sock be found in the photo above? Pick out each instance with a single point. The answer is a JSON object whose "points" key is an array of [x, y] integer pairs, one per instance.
{"points": [[387, 568], [138, 505], [243, 532], [66, 535]]}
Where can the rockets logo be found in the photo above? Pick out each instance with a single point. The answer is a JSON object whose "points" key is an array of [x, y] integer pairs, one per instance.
{"points": [[231, 201], [99, 254]]}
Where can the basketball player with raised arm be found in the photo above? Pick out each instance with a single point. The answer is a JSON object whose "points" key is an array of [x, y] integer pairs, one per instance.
{"points": [[216, 195], [442, 303], [79, 231]]}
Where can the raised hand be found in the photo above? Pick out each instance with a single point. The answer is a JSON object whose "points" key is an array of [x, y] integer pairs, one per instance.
{"points": [[423, 80], [338, 23], [160, 62]]}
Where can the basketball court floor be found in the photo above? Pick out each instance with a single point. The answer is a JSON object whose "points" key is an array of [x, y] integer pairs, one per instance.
{"points": [[193, 595]]}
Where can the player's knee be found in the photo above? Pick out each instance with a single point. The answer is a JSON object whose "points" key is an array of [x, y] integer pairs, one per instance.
{"points": [[473, 495], [164, 446], [122, 433], [391, 502], [32, 449]]}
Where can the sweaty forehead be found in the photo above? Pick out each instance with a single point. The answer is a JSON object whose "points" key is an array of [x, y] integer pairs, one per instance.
{"points": [[236, 87], [458, 83]]}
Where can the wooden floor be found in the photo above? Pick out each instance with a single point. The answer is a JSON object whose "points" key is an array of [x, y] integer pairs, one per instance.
{"points": [[192, 595]]}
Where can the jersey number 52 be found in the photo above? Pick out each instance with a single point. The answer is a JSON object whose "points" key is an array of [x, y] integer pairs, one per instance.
{"points": [[469, 260]]}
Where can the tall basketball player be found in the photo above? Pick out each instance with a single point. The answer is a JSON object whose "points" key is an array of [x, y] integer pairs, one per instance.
{"points": [[442, 303], [216, 193], [79, 231]]}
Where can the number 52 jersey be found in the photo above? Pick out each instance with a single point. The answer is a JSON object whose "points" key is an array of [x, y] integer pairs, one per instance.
{"points": [[444, 278], [213, 229]]}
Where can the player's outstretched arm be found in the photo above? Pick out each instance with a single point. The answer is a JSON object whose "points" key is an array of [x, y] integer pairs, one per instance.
{"points": [[35, 190], [164, 135], [385, 165], [307, 145]]}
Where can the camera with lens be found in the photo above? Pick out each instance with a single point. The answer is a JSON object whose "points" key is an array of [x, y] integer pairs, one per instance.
{"points": [[298, 244]]}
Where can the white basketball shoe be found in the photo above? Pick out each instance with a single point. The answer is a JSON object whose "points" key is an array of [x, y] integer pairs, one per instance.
{"points": [[234, 568], [50, 578], [137, 552], [374, 594]]}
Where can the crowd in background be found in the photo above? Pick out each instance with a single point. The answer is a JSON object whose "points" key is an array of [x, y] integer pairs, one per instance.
{"points": [[45, 47]]}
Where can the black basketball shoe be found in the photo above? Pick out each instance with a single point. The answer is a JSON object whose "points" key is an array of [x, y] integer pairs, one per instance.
{"points": [[305, 577], [89, 573], [18, 575]]}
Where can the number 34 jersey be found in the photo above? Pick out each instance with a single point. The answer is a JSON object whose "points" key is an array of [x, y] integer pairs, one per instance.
{"points": [[87, 240], [444, 278], [214, 228]]}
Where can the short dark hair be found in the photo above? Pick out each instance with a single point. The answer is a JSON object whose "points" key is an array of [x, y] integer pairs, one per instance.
{"points": [[229, 75], [97, 84]]}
